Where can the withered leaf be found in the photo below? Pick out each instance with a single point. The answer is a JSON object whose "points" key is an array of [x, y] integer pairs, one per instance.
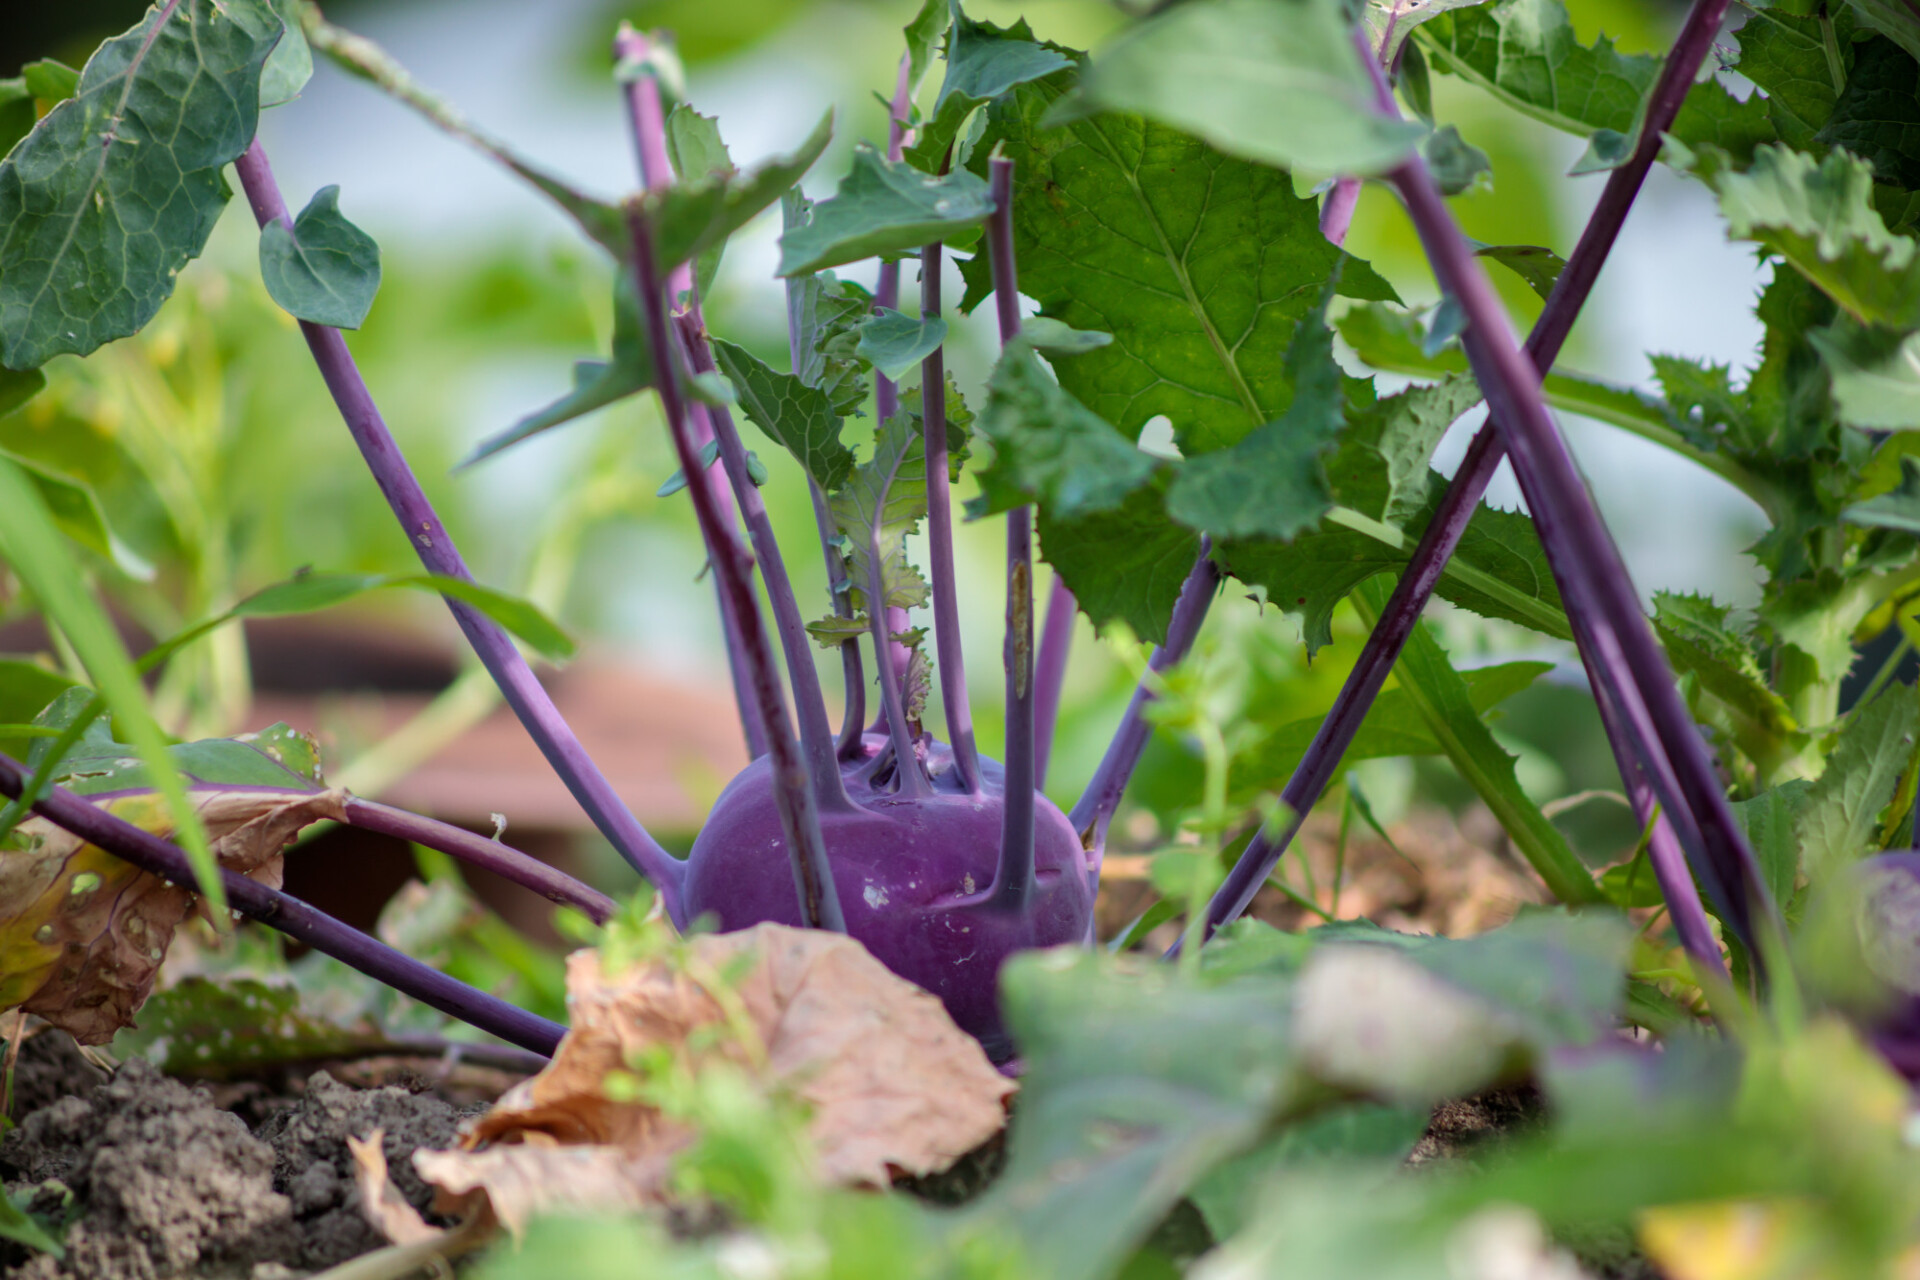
{"points": [[82, 934]]}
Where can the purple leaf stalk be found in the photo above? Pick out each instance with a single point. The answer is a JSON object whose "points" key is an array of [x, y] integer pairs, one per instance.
{"points": [[437, 552], [794, 793], [1013, 880], [292, 917], [886, 395], [1050, 674], [1443, 534]]}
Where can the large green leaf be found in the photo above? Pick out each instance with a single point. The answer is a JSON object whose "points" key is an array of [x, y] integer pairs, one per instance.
{"points": [[97, 764], [983, 62], [1442, 698], [1787, 55], [800, 417], [1891, 18], [1269, 484], [1525, 52], [1876, 374], [290, 65], [1819, 216], [894, 343], [1199, 264], [1877, 117], [323, 269], [1050, 448], [883, 208], [119, 186], [1278, 81], [1127, 563]]}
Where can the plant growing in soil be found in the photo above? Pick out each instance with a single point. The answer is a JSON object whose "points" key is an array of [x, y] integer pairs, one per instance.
{"points": [[1156, 203]]}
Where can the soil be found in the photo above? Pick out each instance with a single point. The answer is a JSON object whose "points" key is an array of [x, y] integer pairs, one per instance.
{"points": [[158, 1181]]}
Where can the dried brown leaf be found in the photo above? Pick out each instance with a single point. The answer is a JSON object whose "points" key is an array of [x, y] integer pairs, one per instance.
{"points": [[82, 934], [890, 1083], [380, 1200]]}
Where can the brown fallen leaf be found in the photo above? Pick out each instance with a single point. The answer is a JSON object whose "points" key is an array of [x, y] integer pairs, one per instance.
{"points": [[380, 1200], [82, 934], [890, 1083]]}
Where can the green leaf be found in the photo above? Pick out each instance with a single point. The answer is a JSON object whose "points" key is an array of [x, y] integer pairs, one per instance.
{"points": [[1898, 509], [1819, 216], [877, 508], [596, 383], [1044, 333], [1525, 53], [923, 35], [1050, 448], [26, 688], [1200, 265], [983, 62], [798, 417], [691, 218], [1394, 726], [1842, 812], [1270, 484], [1343, 1136], [50, 80], [1117, 1117], [1787, 56], [1702, 641], [1278, 81], [883, 208], [1127, 563], [697, 153], [1771, 821], [324, 269], [118, 187], [278, 756], [1441, 696], [1539, 266], [313, 591], [33, 550], [1892, 19], [824, 316], [77, 513], [1457, 165], [894, 343], [1876, 374], [203, 1027], [21, 1227], [1391, 23], [290, 65]]}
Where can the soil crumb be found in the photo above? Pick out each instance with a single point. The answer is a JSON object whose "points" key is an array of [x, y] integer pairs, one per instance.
{"points": [[314, 1169], [169, 1184]]}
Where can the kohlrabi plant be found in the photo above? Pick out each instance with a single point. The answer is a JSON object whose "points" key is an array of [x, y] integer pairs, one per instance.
{"points": [[1156, 206]]}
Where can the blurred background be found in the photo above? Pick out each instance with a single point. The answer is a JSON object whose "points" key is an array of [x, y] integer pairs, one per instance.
{"points": [[223, 461]]}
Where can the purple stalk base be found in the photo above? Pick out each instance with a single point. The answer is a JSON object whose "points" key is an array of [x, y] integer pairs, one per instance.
{"points": [[650, 141], [946, 602], [292, 917], [800, 819], [1102, 797], [1013, 880], [810, 706], [1585, 561], [495, 649], [1056, 643], [489, 855], [1469, 484]]}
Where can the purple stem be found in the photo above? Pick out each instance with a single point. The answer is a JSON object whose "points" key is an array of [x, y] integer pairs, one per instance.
{"points": [[1336, 215], [946, 601], [1013, 878], [1102, 797], [1585, 561], [1056, 643], [422, 526], [477, 850], [850, 745], [656, 170], [1442, 535], [886, 395], [810, 706], [799, 818], [292, 917]]}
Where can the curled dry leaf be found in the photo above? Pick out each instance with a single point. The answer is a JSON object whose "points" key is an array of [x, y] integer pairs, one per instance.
{"points": [[891, 1084], [82, 934], [385, 1208]]}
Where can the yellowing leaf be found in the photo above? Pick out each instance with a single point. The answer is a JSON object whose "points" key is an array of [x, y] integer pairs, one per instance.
{"points": [[1731, 1240], [82, 933]]}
